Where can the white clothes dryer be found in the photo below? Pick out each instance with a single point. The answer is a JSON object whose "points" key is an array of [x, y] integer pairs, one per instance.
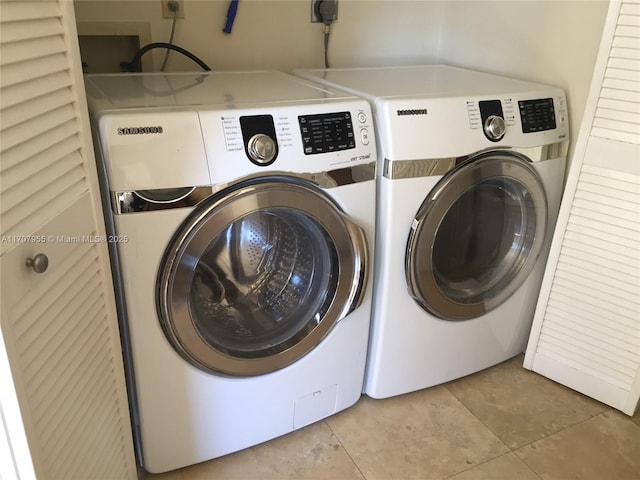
{"points": [[240, 207], [471, 174]]}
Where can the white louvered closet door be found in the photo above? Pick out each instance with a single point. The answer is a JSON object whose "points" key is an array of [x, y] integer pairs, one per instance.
{"points": [[586, 330], [59, 326]]}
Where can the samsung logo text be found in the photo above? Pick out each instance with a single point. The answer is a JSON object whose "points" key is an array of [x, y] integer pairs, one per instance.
{"points": [[415, 111], [139, 130]]}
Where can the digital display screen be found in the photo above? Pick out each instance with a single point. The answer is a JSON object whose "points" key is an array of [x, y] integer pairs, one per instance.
{"points": [[327, 132], [537, 115]]}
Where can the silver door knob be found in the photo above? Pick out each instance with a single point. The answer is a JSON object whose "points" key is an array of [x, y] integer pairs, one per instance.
{"points": [[39, 263]]}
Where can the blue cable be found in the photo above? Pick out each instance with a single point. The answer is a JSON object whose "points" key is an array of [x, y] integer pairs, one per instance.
{"points": [[231, 16]]}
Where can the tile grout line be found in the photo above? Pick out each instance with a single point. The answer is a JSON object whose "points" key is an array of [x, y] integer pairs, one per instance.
{"points": [[511, 450], [609, 409], [490, 460], [551, 435], [345, 449], [477, 418], [488, 428]]}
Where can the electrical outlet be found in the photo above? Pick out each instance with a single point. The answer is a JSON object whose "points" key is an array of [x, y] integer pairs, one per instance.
{"points": [[315, 18], [166, 9]]}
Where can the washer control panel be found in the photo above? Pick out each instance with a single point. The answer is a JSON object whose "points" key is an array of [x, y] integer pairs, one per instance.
{"points": [[305, 138]]}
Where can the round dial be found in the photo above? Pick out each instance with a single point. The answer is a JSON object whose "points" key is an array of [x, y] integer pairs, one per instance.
{"points": [[261, 148], [494, 128]]}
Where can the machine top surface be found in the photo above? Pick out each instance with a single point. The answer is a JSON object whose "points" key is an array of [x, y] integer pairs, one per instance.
{"points": [[435, 81], [214, 90]]}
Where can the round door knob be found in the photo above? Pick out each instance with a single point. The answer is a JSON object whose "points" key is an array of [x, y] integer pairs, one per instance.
{"points": [[261, 148], [39, 263], [494, 128]]}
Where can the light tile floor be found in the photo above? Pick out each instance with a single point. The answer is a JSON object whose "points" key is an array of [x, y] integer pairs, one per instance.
{"points": [[505, 423]]}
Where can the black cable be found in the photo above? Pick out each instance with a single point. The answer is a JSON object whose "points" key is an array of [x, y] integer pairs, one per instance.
{"points": [[326, 12], [326, 47], [133, 64]]}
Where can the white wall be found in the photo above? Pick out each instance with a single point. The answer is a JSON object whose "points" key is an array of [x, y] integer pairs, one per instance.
{"points": [[278, 34]]}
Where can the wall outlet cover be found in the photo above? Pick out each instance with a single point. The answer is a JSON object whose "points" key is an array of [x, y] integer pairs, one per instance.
{"points": [[168, 13], [315, 18]]}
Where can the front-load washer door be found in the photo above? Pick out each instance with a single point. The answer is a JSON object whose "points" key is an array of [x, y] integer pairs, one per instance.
{"points": [[477, 236], [258, 275]]}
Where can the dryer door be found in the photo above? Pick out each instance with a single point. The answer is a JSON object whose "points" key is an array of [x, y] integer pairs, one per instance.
{"points": [[477, 236], [258, 275]]}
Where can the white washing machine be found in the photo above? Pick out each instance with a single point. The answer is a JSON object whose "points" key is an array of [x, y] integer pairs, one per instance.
{"points": [[471, 173], [241, 219]]}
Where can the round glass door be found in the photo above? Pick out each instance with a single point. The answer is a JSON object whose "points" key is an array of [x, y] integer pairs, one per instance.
{"points": [[477, 236], [258, 275]]}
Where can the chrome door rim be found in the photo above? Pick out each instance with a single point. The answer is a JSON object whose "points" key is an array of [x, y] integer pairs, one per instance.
{"points": [[209, 218], [421, 281]]}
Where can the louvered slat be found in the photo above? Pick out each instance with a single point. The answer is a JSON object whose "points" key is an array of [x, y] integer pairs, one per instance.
{"points": [[13, 136], [601, 204], [617, 105], [607, 176], [591, 192], [20, 11], [30, 49], [23, 152], [54, 196], [68, 168], [37, 87], [29, 29], [39, 162], [625, 96], [36, 107], [38, 67]]}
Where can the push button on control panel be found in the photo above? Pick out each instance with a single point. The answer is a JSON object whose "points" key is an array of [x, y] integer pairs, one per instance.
{"points": [[364, 136]]}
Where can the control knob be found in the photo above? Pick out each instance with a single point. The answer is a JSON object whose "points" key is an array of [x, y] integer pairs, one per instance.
{"points": [[261, 148], [494, 128]]}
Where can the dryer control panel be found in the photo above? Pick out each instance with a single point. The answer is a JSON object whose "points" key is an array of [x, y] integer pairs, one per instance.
{"points": [[418, 128], [531, 114]]}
